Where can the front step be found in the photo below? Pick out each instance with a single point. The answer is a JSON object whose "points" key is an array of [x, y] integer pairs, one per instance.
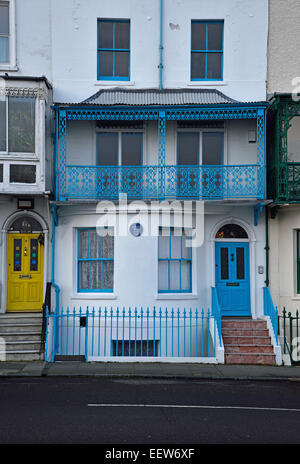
{"points": [[20, 336], [247, 342]]}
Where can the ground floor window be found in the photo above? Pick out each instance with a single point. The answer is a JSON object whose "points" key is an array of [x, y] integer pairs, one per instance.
{"points": [[298, 260], [174, 262], [95, 260]]}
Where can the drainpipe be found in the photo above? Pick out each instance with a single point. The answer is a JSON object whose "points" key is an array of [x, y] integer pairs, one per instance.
{"points": [[161, 46], [267, 248], [56, 287], [54, 224]]}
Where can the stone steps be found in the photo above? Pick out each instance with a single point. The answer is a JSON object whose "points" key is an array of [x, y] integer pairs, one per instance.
{"points": [[247, 342], [20, 336]]}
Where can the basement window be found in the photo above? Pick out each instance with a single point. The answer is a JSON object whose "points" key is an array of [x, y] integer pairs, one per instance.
{"points": [[135, 347]]}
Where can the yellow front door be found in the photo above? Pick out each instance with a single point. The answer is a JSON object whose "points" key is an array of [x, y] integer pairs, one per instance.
{"points": [[25, 267]]}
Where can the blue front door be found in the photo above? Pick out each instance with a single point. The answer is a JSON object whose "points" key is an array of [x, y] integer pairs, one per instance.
{"points": [[232, 278]]}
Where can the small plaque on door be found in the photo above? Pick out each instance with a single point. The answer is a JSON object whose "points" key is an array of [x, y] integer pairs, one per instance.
{"points": [[232, 284]]}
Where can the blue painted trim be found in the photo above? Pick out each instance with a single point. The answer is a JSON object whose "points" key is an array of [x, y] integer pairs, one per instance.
{"points": [[114, 77], [206, 51], [169, 109], [237, 301], [180, 260], [54, 285], [257, 212], [90, 260]]}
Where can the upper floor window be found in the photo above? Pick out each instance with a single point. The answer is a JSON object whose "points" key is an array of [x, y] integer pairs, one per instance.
{"points": [[194, 148], [119, 148], [207, 50], [7, 36], [17, 124], [113, 49], [4, 32]]}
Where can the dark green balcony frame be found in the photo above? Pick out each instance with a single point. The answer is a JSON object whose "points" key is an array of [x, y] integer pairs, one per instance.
{"points": [[283, 175]]}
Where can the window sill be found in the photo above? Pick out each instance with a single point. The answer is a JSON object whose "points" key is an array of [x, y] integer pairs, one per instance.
{"points": [[8, 67], [114, 83], [176, 296], [19, 156], [94, 296], [206, 83]]}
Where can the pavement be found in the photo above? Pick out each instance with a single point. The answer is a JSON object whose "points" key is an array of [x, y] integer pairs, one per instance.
{"points": [[148, 370]]}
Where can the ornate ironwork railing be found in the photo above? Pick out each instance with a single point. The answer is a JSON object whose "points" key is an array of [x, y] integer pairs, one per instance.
{"points": [[293, 181], [156, 182], [289, 333], [104, 333]]}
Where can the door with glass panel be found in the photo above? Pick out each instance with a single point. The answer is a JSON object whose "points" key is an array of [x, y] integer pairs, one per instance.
{"points": [[120, 156], [132, 156], [232, 278], [200, 164], [212, 162], [25, 269], [188, 149]]}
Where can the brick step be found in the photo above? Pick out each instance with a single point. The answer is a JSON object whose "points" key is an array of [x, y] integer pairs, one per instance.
{"points": [[241, 349], [246, 340], [243, 324], [241, 332], [250, 358]]}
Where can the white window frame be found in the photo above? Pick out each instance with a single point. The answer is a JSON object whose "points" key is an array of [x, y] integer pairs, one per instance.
{"points": [[37, 158], [12, 49], [22, 155]]}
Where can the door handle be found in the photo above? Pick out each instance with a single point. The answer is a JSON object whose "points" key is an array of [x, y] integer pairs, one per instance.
{"points": [[29, 276]]}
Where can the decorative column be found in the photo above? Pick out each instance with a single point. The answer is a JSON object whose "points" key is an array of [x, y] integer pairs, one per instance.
{"points": [[261, 152], [61, 155], [161, 153]]}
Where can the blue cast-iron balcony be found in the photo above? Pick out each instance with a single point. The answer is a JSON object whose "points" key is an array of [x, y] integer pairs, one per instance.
{"points": [[168, 182], [184, 108]]}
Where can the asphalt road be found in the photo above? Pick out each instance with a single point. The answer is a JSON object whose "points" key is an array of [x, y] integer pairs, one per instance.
{"points": [[149, 412]]}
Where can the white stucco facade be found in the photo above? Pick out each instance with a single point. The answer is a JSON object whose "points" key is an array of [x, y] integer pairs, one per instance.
{"points": [[61, 44]]}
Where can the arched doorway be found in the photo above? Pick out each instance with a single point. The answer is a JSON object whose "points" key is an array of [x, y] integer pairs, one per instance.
{"points": [[25, 264], [232, 273]]}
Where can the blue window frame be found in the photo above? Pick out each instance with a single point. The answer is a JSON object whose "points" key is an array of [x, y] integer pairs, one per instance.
{"points": [[207, 50], [113, 49], [4, 32], [174, 262], [95, 258]]}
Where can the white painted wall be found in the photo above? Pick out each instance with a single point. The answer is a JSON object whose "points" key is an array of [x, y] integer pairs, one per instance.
{"points": [[74, 42], [283, 276], [283, 46], [136, 262], [59, 40], [81, 142]]}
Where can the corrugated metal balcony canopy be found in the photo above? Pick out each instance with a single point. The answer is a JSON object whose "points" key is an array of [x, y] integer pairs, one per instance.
{"points": [[151, 97]]}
